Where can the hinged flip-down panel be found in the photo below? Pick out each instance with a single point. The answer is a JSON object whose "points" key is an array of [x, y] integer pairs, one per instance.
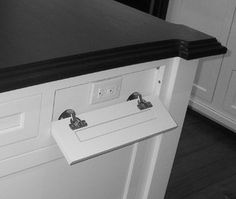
{"points": [[110, 128]]}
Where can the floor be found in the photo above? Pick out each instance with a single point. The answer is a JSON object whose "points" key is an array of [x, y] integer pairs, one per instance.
{"points": [[205, 163]]}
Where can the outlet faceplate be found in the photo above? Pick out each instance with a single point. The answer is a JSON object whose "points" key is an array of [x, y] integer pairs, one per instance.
{"points": [[105, 90]]}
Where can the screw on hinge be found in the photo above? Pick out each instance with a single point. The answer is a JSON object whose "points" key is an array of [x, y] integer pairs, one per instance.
{"points": [[142, 104], [75, 122]]}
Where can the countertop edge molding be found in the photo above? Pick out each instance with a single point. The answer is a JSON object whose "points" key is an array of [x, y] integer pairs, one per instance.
{"points": [[25, 75]]}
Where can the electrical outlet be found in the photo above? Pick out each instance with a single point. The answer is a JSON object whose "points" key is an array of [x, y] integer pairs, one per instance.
{"points": [[105, 90]]}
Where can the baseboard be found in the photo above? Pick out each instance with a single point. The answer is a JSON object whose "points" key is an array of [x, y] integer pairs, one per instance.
{"points": [[212, 114]]}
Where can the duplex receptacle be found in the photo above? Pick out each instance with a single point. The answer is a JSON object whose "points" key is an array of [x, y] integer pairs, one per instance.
{"points": [[105, 90]]}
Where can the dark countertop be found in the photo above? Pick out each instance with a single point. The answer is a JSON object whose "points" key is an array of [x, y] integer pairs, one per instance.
{"points": [[47, 40]]}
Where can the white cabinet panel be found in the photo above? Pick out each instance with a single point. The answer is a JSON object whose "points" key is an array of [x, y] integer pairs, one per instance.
{"points": [[210, 16], [230, 98], [226, 82], [19, 119], [103, 177], [206, 78], [34, 168], [16, 151]]}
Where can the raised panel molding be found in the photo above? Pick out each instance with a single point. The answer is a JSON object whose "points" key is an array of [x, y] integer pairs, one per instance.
{"points": [[206, 79], [19, 119]]}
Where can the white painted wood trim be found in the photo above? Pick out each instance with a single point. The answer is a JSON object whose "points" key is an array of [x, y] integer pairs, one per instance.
{"points": [[130, 171], [175, 95], [155, 142], [151, 166], [213, 114]]}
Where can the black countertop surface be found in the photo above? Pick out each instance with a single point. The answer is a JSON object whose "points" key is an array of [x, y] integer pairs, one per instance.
{"points": [[47, 40]]}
